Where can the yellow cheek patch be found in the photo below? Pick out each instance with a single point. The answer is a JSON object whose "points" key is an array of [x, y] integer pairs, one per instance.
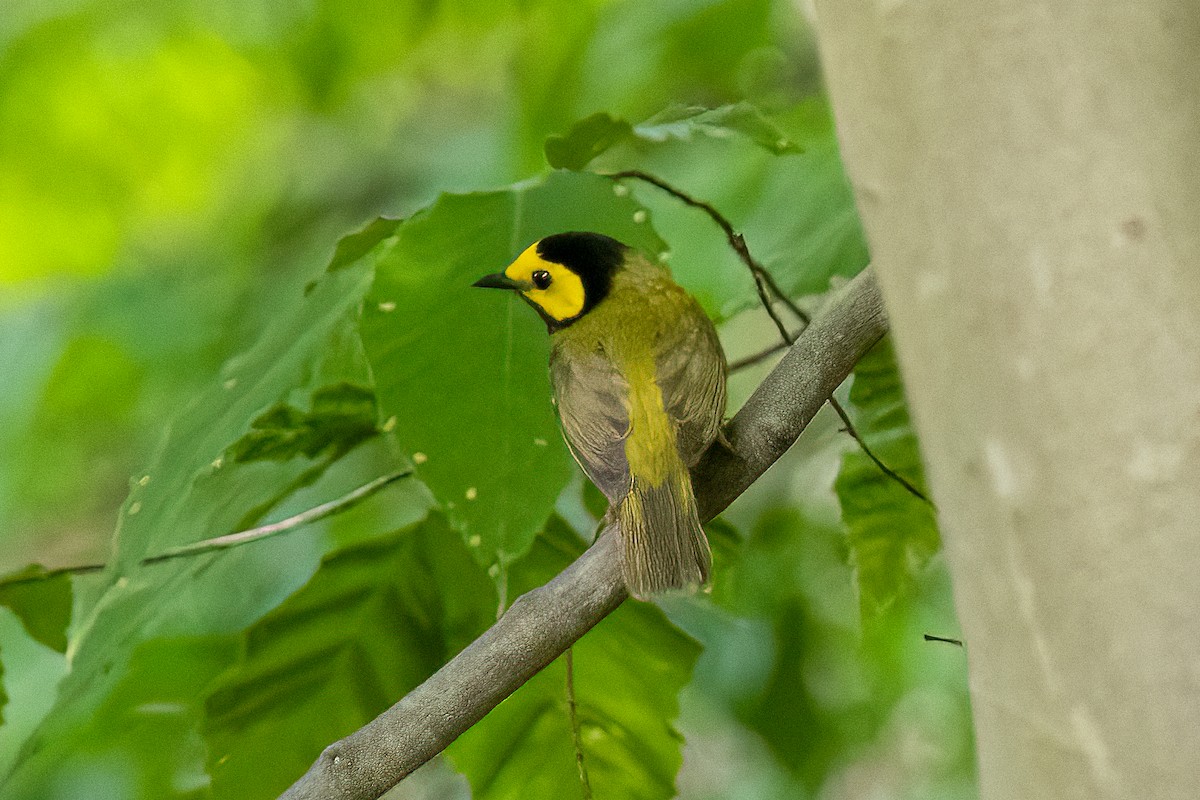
{"points": [[562, 299]]}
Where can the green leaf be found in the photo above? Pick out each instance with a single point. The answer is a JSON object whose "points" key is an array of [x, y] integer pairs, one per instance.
{"points": [[353, 247], [795, 209], [594, 135], [461, 372], [141, 738], [3, 694], [587, 139], [375, 620], [683, 122], [629, 671], [192, 491], [43, 604], [798, 666], [891, 533], [342, 417], [594, 501], [30, 675], [793, 715], [726, 545], [303, 355]]}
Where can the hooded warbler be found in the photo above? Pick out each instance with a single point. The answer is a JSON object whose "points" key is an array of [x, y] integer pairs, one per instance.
{"points": [[639, 384]]}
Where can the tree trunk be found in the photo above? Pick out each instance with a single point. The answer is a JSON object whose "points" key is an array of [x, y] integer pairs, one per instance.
{"points": [[1029, 178]]}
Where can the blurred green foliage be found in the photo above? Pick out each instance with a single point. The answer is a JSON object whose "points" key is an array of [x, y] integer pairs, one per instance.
{"points": [[891, 532], [376, 620], [182, 355]]}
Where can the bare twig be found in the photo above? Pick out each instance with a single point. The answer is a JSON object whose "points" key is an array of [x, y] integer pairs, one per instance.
{"points": [[849, 428], [337, 506], [756, 358], [762, 279], [541, 624], [343, 503], [929, 637], [585, 784], [765, 285], [78, 569]]}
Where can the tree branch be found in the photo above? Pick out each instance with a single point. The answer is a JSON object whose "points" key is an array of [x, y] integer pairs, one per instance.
{"points": [[544, 622]]}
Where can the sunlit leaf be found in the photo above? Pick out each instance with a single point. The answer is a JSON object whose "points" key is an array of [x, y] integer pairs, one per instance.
{"points": [[629, 671], [891, 533]]}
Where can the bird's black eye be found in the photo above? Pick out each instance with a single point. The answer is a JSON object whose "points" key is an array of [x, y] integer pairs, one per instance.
{"points": [[541, 278]]}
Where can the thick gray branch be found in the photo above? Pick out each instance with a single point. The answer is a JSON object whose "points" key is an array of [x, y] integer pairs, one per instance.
{"points": [[541, 624]]}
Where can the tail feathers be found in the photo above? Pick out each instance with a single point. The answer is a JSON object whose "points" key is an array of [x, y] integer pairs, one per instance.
{"points": [[664, 545]]}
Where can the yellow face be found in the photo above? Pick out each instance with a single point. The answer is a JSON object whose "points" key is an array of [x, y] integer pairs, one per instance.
{"points": [[551, 287]]}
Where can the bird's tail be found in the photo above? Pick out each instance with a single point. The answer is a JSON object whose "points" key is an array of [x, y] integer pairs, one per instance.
{"points": [[664, 545]]}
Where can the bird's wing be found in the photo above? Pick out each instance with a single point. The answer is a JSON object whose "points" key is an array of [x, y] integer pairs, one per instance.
{"points": [[591, 395], [691, 375]]}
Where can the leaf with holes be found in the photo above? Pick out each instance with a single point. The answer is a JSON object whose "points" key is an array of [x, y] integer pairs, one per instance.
{"points": [[461, 372], [891, 533], [149, 618]]}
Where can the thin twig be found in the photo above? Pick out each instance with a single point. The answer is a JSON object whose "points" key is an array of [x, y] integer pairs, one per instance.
{"points": [[78, 569], [502, 592], [762, 278], [343, 503], [756, 358], [884, 468], [575, 734], [929, 637], [765, 285]]}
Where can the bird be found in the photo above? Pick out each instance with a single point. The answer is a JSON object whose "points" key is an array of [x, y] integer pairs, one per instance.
{"points": [[638, 378]]}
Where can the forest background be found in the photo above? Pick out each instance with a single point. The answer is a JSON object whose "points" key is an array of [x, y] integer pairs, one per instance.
{"points": [[179, 355]]}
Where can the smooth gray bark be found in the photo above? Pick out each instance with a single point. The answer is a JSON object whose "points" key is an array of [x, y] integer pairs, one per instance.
{"points": [[1029, 177], [543, 623]]}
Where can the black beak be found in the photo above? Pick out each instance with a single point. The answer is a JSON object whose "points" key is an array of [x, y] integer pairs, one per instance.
{"points": [[496, 281]]}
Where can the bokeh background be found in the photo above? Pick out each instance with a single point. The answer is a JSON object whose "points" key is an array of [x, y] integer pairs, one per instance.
{"points": [[172, 170]]}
